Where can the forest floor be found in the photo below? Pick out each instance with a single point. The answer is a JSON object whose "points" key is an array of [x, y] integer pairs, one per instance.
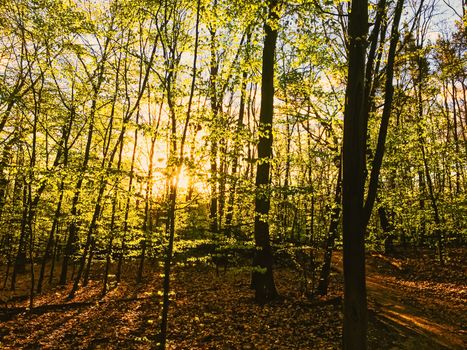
{"points": [[414, 303]]}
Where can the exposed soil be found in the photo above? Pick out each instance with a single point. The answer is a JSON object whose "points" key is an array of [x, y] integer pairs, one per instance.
{"points": [[421, 303]]}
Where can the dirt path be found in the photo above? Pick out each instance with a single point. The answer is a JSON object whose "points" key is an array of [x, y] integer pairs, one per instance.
{"points": [[416, 319], [416, 314]]}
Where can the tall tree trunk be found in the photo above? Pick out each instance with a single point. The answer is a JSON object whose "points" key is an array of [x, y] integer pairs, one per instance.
{"points": [[215, 106], [33, 204], [51, 239], [127, 205], [285, 194], [353, 182], [456, 137], [383, 130], [66, 132], [422, 196], [112, 224], [222, 174], [87, 271], [20, 259], [9, 247], [147, 222], [434, 204], [55, 257], [262, 277], [174, 177], [73, 226], [419, 83], [237, 141]]}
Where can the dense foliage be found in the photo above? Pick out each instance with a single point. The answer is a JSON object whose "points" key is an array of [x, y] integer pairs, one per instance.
{"points": [[129, 130]]}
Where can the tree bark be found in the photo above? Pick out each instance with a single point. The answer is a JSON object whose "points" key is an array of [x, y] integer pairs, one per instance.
{"points": [[332, 235], [383, 130], [354, 149], [173, 179], [262, 276]]}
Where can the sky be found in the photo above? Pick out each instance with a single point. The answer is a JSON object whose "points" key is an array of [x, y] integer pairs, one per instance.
{"points": [[448, 12]]}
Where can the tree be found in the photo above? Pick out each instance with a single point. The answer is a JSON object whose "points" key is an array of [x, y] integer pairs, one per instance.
{"points": [[353, 182], [175, 160], [262, 277]]}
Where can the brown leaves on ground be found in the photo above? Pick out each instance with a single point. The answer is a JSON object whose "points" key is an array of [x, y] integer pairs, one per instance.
{"points": [[211, 312], [420, 302], [225, 316], [207, 312]]}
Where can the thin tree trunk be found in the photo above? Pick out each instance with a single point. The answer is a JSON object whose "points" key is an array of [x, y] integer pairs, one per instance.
{"points": [[51, 239], [73, 227], [127, 205], [332, 236], [112, 225], [8, 259], [237, 143], [431, 191], [456, 137], [147, 223], [89, 262], [388, 228], [422, 196], [383, 130], [54, 258], [215, 105], [20, 259], [285, 194], [173, 177]]}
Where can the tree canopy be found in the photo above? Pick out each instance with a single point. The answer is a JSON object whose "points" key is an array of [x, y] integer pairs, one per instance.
{"points": [[142, 131]]}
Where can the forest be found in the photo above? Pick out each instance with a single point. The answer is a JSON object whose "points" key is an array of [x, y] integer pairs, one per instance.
{"points": [[233, 174]]}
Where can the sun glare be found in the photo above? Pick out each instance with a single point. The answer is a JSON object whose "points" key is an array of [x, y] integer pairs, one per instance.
{"points": [[183, 180]]}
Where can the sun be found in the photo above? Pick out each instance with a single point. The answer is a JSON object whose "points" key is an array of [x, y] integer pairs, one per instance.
{"points": [[187, 180], [183, 179]]}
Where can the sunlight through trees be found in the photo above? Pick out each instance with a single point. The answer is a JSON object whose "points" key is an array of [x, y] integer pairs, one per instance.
{"points": [[139, 136]]}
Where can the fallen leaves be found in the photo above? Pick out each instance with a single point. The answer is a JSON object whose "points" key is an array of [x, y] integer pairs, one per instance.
{"points": [[210, 312]]}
